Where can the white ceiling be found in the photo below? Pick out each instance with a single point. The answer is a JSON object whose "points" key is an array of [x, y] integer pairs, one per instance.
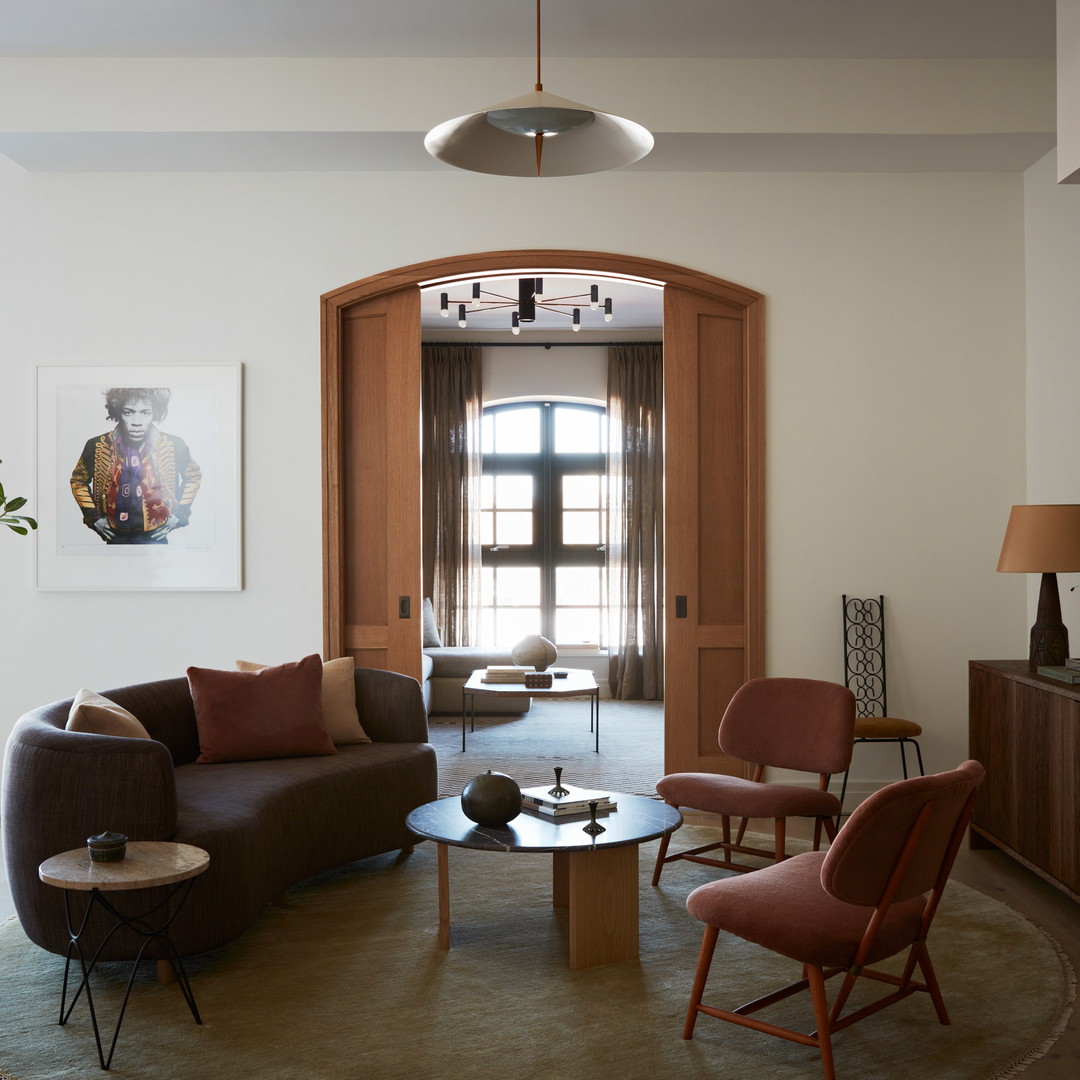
{"points": [[874, 29], [751, 29], [428, 30]]}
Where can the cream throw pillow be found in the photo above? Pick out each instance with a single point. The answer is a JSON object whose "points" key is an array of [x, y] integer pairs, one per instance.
{"points": [[338, 699], [93, 714]]}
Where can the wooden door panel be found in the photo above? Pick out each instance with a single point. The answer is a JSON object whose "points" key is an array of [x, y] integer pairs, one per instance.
{"points": [[714, 484], [374, 483], [712, 521]]}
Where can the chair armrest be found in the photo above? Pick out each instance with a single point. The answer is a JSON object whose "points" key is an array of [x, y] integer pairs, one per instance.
{"points": [[391, 706]]}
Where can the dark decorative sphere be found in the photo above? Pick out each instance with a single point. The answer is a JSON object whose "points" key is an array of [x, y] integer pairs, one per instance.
{"points": [[492, 798]]}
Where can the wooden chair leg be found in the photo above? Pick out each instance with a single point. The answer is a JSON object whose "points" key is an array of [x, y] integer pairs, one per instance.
{"points": [[843, 789], [701, 975], [780, 838], [930, 978], [821, 1017], [725, 826], [660, 856], [830, 827]]}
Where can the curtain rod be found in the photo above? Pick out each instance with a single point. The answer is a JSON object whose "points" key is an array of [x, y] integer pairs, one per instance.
{"points": [[540, 344]]}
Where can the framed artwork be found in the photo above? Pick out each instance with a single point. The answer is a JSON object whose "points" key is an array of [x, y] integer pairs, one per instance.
{"points": [[138, 477]]}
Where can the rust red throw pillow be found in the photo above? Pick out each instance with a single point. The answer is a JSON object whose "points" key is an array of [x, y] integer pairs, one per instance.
{"points": [[275, 712]]}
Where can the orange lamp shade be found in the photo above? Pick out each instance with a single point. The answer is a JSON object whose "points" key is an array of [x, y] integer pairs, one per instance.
{"points": [[1042, 540]]}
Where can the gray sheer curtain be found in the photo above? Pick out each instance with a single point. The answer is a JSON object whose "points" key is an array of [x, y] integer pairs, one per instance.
{"points": [[635, 526], [451, 406]]}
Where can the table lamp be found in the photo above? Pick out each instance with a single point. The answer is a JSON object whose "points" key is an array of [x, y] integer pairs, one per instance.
{"points": [[1044, 540]]}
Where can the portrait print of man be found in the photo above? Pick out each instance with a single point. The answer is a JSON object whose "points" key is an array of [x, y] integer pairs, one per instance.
{"points": [[135, 484]]}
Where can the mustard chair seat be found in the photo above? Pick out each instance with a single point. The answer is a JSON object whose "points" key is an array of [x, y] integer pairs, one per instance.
{"points": [[886, 727]]}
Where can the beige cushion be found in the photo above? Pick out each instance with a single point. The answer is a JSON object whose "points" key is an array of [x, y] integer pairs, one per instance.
{"points": [[93, 714], [338, 699]]}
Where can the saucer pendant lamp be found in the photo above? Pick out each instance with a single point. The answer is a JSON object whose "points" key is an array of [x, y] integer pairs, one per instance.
{"points": [[538, 134]]}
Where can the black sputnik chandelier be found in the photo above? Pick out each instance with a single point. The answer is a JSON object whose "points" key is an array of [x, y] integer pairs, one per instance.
{"points": [[523, 309]]}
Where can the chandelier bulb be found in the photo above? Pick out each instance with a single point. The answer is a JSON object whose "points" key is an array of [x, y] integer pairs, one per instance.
{"points": [[607, 310], [476, 290], [461, 320], [594, 297], [444, 304], [577, 319], [515, 323]]}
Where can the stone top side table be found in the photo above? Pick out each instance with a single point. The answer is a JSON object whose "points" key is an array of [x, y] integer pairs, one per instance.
{"points": [[148, 864]]}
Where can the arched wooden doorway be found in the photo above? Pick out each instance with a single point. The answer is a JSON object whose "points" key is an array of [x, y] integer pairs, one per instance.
{"points": [[714, 477]]}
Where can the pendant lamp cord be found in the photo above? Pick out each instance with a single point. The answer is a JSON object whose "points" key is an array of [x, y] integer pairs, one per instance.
{"points": [[539, 139], [539, 84]]}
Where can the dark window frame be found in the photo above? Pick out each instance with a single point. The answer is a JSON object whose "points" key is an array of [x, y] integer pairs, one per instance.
{"points": [[547, 550]]}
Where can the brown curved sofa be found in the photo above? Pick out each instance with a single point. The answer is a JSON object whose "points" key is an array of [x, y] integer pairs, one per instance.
{"points": [[267, 825]]}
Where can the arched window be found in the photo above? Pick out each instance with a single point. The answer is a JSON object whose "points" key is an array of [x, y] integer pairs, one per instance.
{"points": [[542, 524]]}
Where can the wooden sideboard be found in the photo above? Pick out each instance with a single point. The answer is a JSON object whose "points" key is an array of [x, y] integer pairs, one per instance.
{"points": [[1025, 729]]}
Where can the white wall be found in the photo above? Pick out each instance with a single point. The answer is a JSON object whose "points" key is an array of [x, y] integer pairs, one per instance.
{"points": [[1052, 216], [895, 387]]}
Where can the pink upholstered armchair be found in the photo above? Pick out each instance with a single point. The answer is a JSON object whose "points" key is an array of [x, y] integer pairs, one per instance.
{"points": [[801, 724], [871, 896]]}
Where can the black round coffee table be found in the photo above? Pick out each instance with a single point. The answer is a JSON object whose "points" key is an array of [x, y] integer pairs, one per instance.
{"points": [[594, 876]]}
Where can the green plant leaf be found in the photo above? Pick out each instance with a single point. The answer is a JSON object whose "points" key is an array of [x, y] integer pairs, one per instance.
{"points": [[15, 504], [16, 528]]}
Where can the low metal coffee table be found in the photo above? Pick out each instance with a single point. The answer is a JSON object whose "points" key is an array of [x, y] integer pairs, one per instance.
{"points": [[577, 682], [594, 877]]}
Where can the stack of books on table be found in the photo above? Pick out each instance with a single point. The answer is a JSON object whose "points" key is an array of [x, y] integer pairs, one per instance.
{"points": [[497, 673], [1069, 672], [575, 802]]}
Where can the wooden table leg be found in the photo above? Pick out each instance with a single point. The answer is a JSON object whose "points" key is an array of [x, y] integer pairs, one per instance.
{"points": [[603, 896], [560, 879], [444, 895]]}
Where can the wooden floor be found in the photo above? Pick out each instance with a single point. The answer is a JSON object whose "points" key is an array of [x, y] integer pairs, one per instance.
{"points": [[994, 873]]}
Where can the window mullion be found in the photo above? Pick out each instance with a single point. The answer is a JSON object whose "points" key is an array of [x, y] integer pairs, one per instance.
{"points": [[548, 518]]}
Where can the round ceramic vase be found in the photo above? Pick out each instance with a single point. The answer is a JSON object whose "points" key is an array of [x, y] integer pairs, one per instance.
{"points": [[492, 798], [534, 651]]}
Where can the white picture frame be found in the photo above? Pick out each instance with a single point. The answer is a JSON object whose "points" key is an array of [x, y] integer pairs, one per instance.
{"points": [[204, 416]]}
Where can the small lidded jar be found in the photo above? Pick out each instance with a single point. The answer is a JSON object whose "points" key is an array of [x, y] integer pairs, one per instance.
{"points": [[107, 847]]}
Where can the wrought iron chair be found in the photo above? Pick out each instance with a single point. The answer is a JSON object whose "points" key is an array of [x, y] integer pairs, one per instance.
{"points": [[837, 912], [801, 724], [864, 675]]}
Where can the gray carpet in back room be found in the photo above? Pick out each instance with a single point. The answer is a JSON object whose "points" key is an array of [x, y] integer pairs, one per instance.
{"points": [[528, 747]]}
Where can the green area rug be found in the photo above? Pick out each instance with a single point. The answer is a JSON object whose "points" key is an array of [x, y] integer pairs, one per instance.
{"points": [[344, 981]]}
